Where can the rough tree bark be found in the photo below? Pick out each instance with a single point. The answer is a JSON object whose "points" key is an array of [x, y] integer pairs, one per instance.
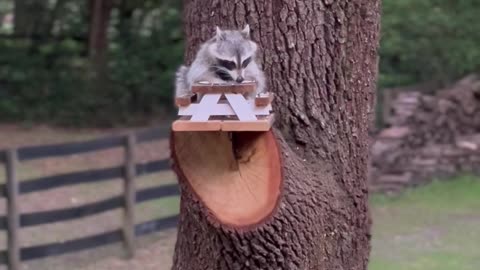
{"points": [[239, 208], [100, 11]]}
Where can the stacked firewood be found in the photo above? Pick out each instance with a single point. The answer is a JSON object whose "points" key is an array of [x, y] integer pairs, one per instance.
{"points": [[404, 106], [434, 136]]}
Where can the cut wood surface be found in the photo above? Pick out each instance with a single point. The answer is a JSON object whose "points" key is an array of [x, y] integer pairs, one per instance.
{"points": [[236, 88], [264, 123], [184, 124], [238, 178], [222, 123], [264, 100], [185, 100]]}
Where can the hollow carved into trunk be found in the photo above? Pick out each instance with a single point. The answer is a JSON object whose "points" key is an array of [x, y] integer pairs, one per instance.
{"points": [[237, 176]]}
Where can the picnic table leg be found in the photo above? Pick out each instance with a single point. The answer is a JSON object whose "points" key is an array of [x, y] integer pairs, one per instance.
{"points": [[202, 113], [240, 106]]}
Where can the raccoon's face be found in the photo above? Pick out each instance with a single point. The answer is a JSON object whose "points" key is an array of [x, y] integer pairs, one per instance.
{"points": [[233, 52]]}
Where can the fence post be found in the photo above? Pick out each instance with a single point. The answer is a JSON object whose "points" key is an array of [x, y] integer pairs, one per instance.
{"points": [[12, 208], [386, 106], [130, 196]]}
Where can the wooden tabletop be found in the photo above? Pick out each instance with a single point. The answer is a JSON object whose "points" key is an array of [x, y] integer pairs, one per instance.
{"points": [[235, 88]]}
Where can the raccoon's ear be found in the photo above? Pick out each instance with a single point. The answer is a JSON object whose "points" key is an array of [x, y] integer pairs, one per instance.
{"points": [[220, 35], [246, 31]]}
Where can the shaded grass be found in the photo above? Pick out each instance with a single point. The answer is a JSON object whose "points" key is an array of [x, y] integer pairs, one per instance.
{"points": [[434, 227]]}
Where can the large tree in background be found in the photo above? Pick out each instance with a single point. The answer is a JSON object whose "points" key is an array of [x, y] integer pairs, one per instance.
{"points": [[100, 12], [294, 198], [30, 17]]}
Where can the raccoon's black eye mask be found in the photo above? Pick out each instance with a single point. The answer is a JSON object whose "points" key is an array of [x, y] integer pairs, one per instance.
{"points": [[230, 65], [246, 62], [221, 73]]}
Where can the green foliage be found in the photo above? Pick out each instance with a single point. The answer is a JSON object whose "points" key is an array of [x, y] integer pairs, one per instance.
{"points": [[52, 80], [40, 82], [142, 66], [428, 40]]}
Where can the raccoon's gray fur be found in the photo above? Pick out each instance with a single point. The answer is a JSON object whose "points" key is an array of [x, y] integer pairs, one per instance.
{"points": [[229, 56]]}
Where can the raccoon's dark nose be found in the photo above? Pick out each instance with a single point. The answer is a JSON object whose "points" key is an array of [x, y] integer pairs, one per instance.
{"points": [[239, 79]]}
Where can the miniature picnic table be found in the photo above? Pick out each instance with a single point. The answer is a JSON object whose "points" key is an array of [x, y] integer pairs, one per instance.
{"points": [[224, 107]]}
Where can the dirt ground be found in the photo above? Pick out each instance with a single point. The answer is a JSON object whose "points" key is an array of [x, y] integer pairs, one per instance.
{"points": [[154, 251]]}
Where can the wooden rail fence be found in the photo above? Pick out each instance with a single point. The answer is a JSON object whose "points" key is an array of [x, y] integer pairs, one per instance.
{"points": [[13, 189]]}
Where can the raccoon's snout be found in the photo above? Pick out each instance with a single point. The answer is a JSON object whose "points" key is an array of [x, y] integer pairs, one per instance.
{"points": [[239, 79]]}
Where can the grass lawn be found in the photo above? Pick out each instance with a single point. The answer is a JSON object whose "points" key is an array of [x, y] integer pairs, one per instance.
{"points": [[436, 227]]}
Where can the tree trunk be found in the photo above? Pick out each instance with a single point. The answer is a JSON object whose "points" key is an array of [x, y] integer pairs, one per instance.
{"points": [[30, 18], [126, 10], [100, 11], [296, 197]]}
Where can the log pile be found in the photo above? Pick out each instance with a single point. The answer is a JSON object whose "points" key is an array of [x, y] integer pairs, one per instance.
{"points": [[430, 137], [405, 105]]}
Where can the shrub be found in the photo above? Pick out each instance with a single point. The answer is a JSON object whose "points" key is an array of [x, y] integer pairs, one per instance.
{"points": [[428, 40]]}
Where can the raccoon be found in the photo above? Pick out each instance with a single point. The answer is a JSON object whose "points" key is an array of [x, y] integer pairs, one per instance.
{"points": [[227, 57]]}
